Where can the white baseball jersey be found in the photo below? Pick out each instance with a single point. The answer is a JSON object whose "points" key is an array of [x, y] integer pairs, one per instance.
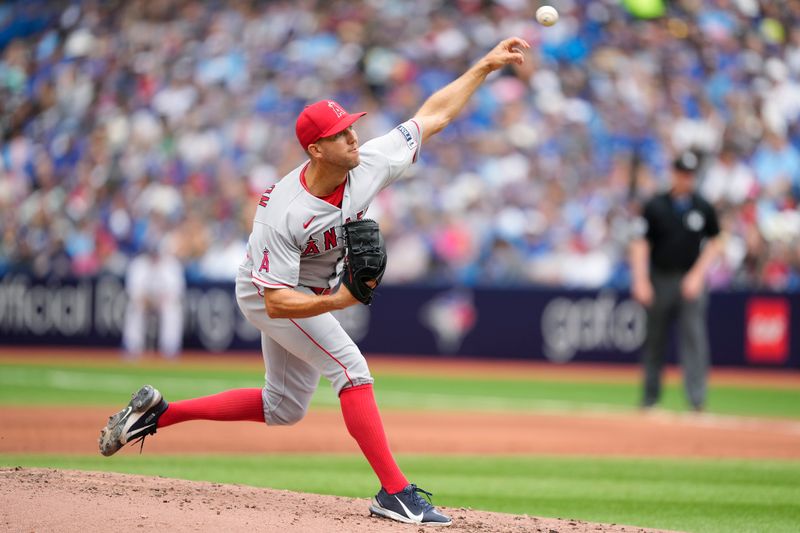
{"points": [[297, 237], [297, 243]]}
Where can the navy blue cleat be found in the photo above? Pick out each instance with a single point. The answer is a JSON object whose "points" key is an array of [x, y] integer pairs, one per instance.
{"points": [[408, 506], [136, 421]]}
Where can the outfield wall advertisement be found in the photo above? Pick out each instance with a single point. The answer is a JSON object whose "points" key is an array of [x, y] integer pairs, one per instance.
{"points": [[746, 329]]}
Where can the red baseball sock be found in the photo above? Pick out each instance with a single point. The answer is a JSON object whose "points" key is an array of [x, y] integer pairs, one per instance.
{"points": [[236, 404], [364, 423]]}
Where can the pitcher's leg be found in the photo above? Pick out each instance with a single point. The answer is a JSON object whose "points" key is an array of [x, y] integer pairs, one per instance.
{"points": [[290, 384], [231, 406], [363, 421], [291, 347], [323, 343]]}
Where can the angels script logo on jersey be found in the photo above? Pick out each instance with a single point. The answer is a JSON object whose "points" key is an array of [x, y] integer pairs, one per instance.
{"points": [[336, 109], [329, 238], [264, 262]]}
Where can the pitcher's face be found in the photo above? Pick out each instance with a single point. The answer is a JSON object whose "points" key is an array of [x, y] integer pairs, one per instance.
{"points": [[341, 149]]}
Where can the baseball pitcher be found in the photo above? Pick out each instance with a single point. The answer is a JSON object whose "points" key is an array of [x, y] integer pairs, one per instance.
{"points": [[312, 251]]}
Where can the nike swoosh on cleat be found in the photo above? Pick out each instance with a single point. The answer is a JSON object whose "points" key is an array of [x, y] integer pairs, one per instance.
{"points": [[310, 220], [417, 517], [143, 428]]}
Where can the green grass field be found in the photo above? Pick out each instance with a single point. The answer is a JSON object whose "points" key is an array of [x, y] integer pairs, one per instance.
{"points": [[688, 495], [84, 384]]}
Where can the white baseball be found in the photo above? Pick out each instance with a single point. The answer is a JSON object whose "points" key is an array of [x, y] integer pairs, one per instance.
{"points": [[547, 15]]}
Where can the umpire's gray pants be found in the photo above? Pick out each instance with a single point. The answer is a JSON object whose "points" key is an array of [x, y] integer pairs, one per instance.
{"points": [[669, 306]]}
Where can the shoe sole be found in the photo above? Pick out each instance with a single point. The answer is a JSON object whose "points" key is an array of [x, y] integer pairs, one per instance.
{"points": [[110, 440], [377, 510]]}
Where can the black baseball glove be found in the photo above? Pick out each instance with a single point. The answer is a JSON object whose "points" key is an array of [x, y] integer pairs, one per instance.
{"points": [[365, 258]]}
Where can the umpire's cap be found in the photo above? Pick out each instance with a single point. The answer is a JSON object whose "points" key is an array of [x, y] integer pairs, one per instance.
{"points": [[687, 161]]}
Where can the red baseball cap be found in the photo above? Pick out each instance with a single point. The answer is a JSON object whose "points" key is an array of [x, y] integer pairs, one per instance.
{"points": [[322, 119]]}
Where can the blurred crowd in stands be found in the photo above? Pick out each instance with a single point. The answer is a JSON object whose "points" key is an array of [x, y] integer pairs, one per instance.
{"points": [[134, 124]]}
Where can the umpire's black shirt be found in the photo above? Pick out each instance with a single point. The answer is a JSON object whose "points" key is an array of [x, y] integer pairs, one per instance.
{"points": [[676, 229]]}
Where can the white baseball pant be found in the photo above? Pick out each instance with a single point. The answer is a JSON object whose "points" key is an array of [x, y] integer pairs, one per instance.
{"points": [[296, 352]]}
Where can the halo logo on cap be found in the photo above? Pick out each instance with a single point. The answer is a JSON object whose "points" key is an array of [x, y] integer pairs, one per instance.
{"points": [[336, 109]]}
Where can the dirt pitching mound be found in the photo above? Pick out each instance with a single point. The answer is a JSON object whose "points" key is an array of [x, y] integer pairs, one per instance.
{"points": [[36, 499]]}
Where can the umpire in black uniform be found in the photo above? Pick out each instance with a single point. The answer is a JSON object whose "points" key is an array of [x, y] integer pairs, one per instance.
{"points": [[670, 256]]}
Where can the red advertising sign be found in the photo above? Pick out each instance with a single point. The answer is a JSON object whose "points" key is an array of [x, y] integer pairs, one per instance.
{"points": [[767, 334]]}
